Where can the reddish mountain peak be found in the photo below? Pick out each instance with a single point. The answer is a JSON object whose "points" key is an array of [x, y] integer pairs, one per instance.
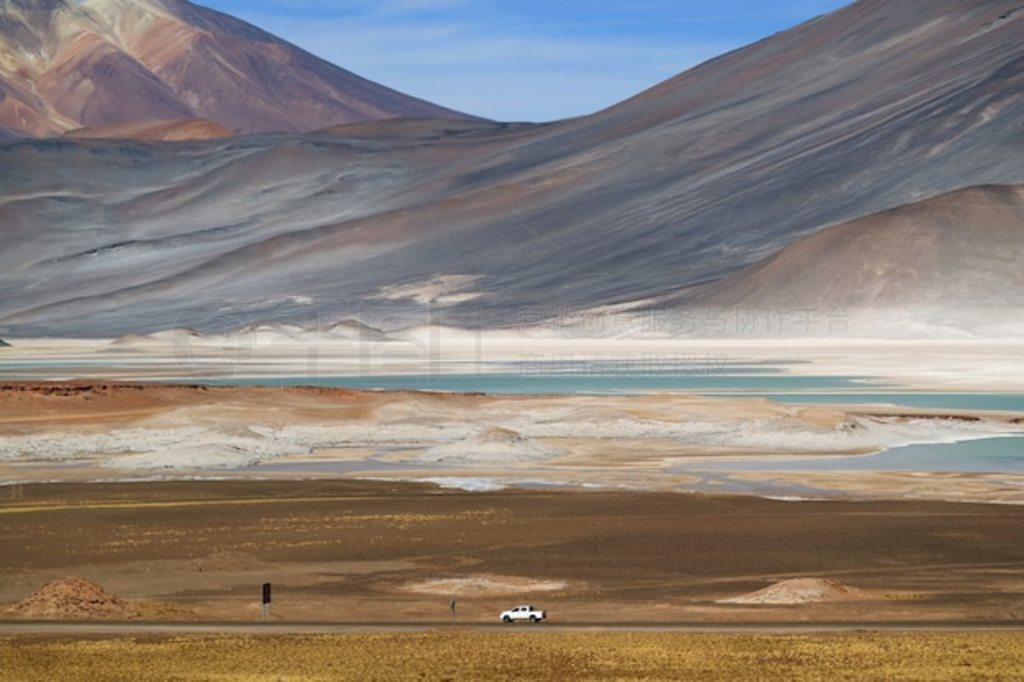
{"points": [[68, 64]]}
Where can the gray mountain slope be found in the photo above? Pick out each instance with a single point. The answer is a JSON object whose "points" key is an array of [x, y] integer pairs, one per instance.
{"points": [[962, 250], [879, 105]]}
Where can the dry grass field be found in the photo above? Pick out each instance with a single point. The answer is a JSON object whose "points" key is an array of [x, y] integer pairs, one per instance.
{"points": [[464, 655]]}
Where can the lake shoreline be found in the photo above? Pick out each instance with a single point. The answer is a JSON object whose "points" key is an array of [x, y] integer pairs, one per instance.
{"points": [[97, 431]]}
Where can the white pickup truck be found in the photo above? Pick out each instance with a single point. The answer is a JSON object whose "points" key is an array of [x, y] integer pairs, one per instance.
{"points": [[523, 613]]}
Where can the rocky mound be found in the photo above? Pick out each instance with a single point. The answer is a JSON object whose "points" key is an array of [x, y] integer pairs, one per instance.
{"points": [[798, 591], [73, 598]]}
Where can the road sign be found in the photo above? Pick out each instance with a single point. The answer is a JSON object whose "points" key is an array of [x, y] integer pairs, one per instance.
{"points": [[265, 606]]}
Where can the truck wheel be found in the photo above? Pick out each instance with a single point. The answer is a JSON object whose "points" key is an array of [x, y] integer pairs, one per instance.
{"points": [[533, 619], [506, 620]]}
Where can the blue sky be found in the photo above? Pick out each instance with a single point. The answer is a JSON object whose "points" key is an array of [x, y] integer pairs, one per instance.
{"points": [[522, 60]]}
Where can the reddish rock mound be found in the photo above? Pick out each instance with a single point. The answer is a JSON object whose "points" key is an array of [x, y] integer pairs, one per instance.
{"points": [[72, 598]]}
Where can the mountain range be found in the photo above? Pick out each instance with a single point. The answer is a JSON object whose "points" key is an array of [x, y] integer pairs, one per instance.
{"points": [[115, 64], [867, 161]]}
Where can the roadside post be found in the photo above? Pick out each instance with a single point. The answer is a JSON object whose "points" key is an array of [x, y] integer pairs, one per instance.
{"points": [[451, 606], [265, 605]]}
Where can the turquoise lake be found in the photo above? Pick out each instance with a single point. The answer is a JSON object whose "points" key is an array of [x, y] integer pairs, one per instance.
{"points": [[988, 456], [736, 382]]}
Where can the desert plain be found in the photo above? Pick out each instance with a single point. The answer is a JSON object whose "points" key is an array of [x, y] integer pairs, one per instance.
{"points": [[180, 498], [637, 584], [149, 498], [395, 553]]}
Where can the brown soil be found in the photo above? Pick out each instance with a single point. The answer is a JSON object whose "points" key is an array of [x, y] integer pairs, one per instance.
{"points": [[112, 402], [349, 551], [228, 562]]}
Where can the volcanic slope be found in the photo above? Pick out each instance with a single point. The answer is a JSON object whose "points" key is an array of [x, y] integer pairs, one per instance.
{"points": [[69, 64], [878, 105]]}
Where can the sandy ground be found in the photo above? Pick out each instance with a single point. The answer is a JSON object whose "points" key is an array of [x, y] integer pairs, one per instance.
{"points": [[395, 553]]}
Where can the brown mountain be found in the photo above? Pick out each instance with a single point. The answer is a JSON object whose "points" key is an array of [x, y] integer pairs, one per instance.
{"points": [[71, 64]]}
